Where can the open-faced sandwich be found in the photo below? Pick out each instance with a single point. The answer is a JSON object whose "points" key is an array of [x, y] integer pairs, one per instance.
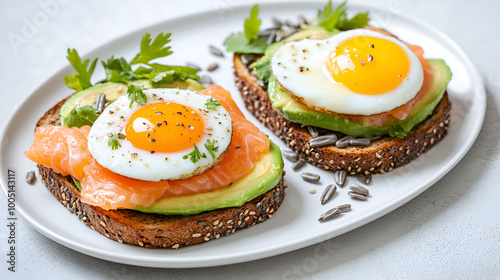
{"points": [[342, 94], [151, 158]]}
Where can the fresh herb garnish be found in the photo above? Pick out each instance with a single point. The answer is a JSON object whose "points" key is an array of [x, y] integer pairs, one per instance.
{"points": [[135, 94], [212, 104], [118, 70], [154, 50], [398, 131], [211, 148], [337, 19], [195, 155], [113, 141], [248, 41], [80, 116], [81, 79]]}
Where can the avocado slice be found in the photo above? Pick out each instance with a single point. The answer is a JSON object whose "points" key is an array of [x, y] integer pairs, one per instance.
{"points": [[295, 111], [115, 90], [264, 176]]}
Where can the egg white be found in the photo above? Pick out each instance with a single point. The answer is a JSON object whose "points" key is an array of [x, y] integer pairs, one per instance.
{"points": [[301, 68], [135, 163]]}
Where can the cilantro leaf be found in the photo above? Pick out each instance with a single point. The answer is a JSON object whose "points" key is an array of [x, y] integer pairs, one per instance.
{"points": [[211, 148], [252, 24], [398, 131], [358, 21], [195, 155], [72, 81], [328, 18], [212, 104], [84, 72], [118, 70], [80, 116], [135, 94], [113, 141], [156, 49]]}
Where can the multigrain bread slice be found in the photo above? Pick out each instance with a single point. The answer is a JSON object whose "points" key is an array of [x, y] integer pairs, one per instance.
{"points": [[380, 156], [152, 230]]}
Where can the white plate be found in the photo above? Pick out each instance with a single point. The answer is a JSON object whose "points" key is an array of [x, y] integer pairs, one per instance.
{"points": [[295, 225]]}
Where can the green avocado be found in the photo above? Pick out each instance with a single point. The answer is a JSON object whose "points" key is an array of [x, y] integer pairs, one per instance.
{"points": [[295, 111], [115, 90], [264, 176]]}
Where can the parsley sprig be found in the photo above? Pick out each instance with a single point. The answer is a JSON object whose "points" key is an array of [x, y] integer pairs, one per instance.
{"points": [[332, 19], [212, 104], [149, 51], [80, 116], [81, 79], [113, 141], [211, 148], [248, 41], [195, 155], [136, 94]]}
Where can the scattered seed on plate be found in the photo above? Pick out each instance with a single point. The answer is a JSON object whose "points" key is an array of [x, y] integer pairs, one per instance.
{"points": [[340, 176], [312, 191], [313, 131], [328, 193], [323, 140], [357, 196], [344, 141], [247, 58], [373, 138], [277, 22], [30, 177], [212, 67], [272, 37], [310, 177], [344, 208], [359, 189], [215, 51], [101, 101], [330, 214], [365, 178], [192, 65], [206, 80], [360, 141], [298, 165], [302, 19], [291, 24], [290, 155]]}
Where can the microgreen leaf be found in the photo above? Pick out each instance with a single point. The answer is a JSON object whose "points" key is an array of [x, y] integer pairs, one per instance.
{"points": [[358, 21], [84, 72], [80, 116], [328, 18], [212, 104], [135, 94], [156, 49], [113, 141], [72, 81], [211, 148], [195, 155], [252, 24]]}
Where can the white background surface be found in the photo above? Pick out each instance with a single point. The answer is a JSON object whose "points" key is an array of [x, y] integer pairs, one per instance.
{"points": [[450, 231]]}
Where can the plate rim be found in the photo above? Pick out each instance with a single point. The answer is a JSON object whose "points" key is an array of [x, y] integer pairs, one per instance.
{"points": [[264, 252]]}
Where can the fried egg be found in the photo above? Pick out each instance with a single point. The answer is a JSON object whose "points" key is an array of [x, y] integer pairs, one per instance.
{"points": [[176, 135], [356, 72]]}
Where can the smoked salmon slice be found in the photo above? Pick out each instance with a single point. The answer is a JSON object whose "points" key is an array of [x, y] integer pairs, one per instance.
{"points": [[101, 187]]}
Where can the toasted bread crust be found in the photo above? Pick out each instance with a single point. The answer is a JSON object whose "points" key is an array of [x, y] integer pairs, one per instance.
{"points": [[152, 230], [380, 156]]}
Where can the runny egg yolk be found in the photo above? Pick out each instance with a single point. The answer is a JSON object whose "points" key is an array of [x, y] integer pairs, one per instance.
{"points": [[369, 65], [164, 127]]}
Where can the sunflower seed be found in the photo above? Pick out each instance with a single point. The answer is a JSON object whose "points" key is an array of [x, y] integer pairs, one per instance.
{"points": [[247, 58], [271, 38], [373, 138], [344, 208], [357, 196], [324, 140], [99, 104], [310, 177], [302, 19], [30, 177], [215, 51], [291, 24], [212, 67], [192, 65], [206, 80], [344, 141], [298, 165], [330, 214], [359, 189], [290, 155], [313, 131], [328, 193], [340, 176], [279, 36], [360, 141], [277, 23], [365, 178]]}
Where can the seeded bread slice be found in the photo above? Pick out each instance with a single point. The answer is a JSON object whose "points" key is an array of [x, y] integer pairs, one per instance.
{"points": [[152, 230], [380, 156]]}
